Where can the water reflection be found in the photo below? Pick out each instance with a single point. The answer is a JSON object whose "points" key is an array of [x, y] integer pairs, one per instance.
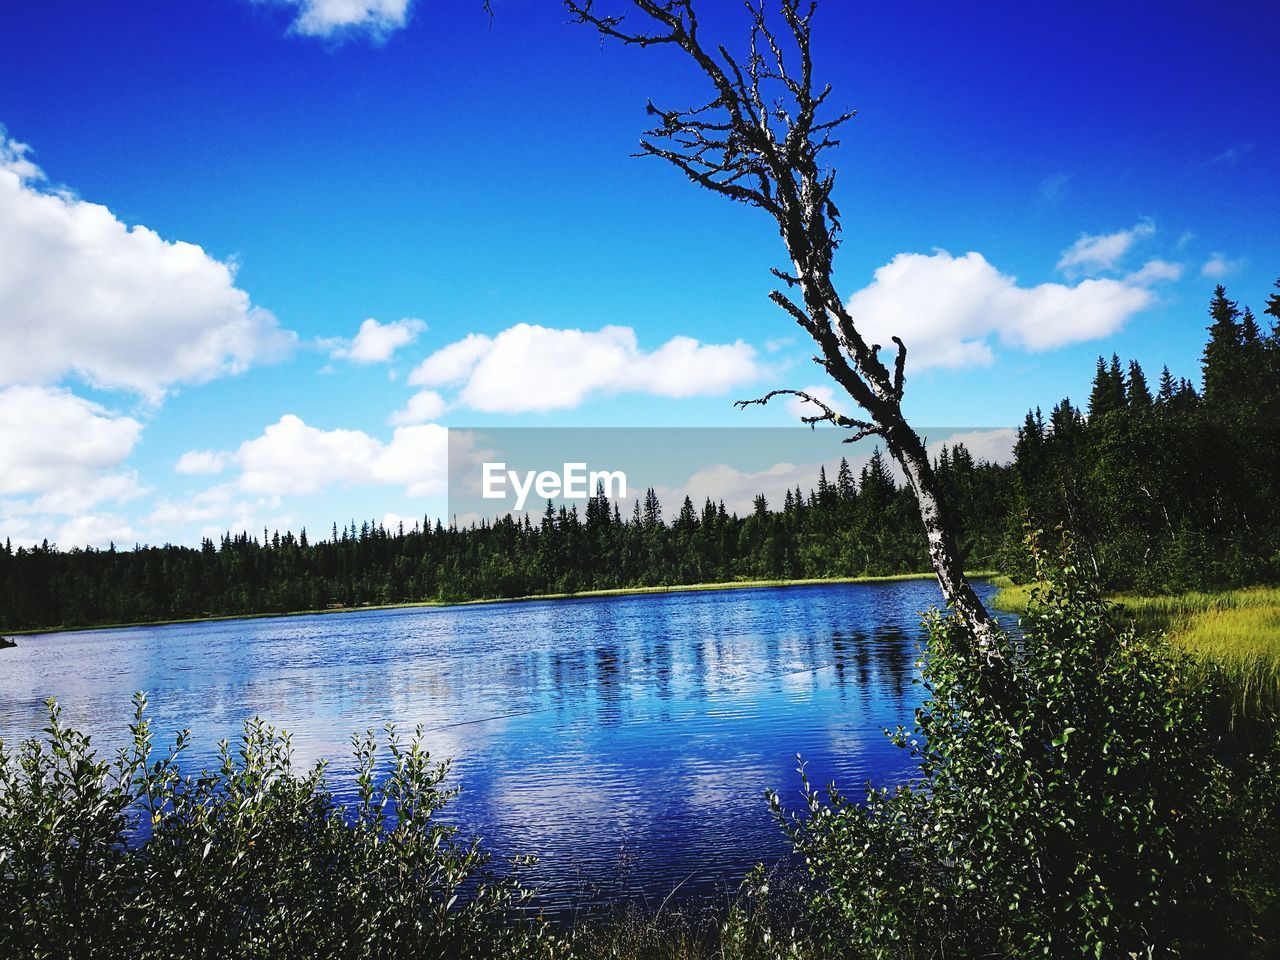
{"points": [[626, 741]]}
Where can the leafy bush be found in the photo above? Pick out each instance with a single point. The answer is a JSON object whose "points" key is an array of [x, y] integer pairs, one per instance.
{"points": [[1071, 802], [132, 858]]}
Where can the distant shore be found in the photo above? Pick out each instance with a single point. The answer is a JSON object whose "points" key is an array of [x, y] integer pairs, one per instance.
{"points": [[585, 594]]}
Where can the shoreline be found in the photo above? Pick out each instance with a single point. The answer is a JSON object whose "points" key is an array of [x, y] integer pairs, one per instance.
{"points": [[581, 595]]}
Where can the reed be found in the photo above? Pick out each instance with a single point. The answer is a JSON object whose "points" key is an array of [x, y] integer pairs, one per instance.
{"points": [[1234, 633]]}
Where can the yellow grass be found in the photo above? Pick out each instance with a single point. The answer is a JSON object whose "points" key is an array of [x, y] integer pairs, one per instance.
{"points": [[1237, 631]]}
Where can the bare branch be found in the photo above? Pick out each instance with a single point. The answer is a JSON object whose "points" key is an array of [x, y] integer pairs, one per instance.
{"points": [[828, 415], [899, 368], [759, 138], [800, 317]]}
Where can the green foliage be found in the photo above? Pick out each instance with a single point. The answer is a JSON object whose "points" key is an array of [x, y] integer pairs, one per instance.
{"points": [[1180, 491], [866, 525], [133, 858], [1254, 877], [1172, 492], [1071, 802], [764, 926], [1234, 636]]}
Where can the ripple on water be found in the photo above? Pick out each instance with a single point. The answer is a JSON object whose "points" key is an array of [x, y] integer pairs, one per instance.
{"points": [[626, 741]]}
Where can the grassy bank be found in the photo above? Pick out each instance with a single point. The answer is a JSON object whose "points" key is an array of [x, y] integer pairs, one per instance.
{"points": [[1238, 631], [585, 594]]}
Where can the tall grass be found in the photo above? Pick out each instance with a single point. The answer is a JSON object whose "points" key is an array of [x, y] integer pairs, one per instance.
{"points": [[1234, 633]]}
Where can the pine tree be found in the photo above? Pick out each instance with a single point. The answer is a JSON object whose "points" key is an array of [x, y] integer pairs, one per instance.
{"points": [[1222, 352], [1107, 392], [824, 488], [1032, 430], [1064, 421], [687, 522], [876, 485], [1136, 390], [652, 508], [1249, 331], [844, 480], [1273, 310]]}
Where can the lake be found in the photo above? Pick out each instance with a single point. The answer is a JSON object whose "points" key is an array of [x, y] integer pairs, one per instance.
{"points": [[626, 741]]}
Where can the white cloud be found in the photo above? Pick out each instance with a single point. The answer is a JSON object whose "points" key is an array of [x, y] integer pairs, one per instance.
{"points": [[83, 293], [739, 488], [98, 530], [13, 159], [60, 457], [949, 309], [224, 503], [78, 493], [1218, 266], [391, 521], [529, 368], [376, 342], [1096, 253], [1154, 271], [994, 445], [59, 446], [417, 458], [422, 406], [201, 462], [328, 18], [777, 344], [292, 458], [451, 365]]}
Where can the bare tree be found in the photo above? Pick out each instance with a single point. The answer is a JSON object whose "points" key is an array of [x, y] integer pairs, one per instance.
{"points": [[759, 140]]}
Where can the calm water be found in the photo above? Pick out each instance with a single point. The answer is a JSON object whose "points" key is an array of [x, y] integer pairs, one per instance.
{"points": [[625, 741]]}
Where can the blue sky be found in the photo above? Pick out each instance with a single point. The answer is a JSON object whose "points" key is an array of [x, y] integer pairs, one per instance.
{"points": [[204, 202]]}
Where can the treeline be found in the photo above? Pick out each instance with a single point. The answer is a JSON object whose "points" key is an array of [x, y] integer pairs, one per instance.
{"points": [[844, 526], [1167, 488]]}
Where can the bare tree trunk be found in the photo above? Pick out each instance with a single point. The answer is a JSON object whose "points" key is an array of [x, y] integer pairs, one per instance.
{"points": [[758, 141], [944, 554]]}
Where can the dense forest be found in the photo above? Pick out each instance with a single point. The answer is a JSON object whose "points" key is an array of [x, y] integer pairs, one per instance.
{"points": [[1168, 487]]}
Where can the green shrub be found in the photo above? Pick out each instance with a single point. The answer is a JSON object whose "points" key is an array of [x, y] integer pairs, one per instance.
{"points": [[1071, 802], [132, 858]]}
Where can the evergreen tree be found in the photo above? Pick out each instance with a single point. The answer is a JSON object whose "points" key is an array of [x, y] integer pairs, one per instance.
{"points": [[1273, 310], [1107, 393], [1222, 352], [1185, 496], [844, 481], [1136, 390]]}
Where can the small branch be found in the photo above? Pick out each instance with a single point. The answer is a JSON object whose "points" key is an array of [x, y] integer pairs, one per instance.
{"points": [[828, 415], [899, 368], [863, 434], [800, 317]]}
